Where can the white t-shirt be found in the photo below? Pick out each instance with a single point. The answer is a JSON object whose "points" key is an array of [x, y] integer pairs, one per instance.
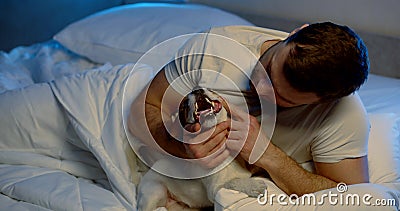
{"points": [[223, 58]]}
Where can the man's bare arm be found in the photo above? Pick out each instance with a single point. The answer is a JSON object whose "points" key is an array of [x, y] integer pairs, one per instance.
{"points": [[292, 178], [145, 121]]}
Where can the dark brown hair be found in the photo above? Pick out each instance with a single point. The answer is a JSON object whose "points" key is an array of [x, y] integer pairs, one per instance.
{"points": [[327, 59]]}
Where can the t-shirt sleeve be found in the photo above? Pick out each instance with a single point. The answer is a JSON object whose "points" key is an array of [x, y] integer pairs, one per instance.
{"points": [[344, 134], [183, 72]]}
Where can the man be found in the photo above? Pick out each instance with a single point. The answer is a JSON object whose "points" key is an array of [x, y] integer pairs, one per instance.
{"points": [[314, 73]]}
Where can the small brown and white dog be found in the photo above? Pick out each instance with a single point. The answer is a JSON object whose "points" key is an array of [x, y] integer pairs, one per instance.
{"points": [[155, 190]]}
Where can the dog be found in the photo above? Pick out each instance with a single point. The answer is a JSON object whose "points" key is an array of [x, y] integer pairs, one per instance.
{"points": [[155, 190]]}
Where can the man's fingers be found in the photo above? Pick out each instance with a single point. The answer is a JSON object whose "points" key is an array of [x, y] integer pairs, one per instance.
{"points": [[218, 160], [216, 142], [214, 159], [193, 127], [238, 126], [237, 135], [219, 128], [238, 114], [221, 145], [202, 137], [234, 145], [209, 147]]}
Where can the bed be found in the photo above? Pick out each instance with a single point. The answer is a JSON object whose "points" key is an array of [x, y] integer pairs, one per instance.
{"points": [[67, 98]]}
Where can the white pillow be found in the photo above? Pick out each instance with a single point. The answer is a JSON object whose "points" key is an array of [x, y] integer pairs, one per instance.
{"points": [[384, 148], [122, 34]]}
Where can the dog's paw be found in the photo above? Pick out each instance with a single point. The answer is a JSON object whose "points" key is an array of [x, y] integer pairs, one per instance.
{"points": [[151, 196], [250, 186]]}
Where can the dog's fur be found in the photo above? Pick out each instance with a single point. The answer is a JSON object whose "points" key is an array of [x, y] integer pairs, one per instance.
{"points": [[156, 190]]}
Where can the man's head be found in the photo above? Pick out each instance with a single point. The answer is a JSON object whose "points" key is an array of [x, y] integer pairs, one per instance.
{"points": [[319, 62]]}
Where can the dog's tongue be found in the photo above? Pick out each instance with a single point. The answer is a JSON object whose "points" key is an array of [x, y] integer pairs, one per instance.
{"points": [[217, 106]]}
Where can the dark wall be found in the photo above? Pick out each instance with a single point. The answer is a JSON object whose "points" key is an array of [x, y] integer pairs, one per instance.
{"points": [[25, 22]]}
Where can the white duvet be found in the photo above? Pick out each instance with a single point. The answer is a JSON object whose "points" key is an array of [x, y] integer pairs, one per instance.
{"points": [[63, 144]]}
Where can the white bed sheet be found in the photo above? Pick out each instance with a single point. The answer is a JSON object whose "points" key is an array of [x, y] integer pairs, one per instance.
{"points": [[381, 94], [26, 65]]}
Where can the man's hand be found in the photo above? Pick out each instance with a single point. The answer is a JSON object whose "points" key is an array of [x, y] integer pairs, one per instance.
{"points": [[207, 147], [246, 136]]}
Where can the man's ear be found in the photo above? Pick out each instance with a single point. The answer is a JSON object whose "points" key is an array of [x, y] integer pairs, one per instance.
{"points": [[298, 29]]}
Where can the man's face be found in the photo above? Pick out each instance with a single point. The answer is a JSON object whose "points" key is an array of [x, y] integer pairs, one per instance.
{"points": [[285, 94]]}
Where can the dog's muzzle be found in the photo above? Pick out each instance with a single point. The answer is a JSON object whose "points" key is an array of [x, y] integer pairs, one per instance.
{"points": [[199, 106]]}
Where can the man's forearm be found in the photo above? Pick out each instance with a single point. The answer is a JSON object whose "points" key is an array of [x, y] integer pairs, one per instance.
{"points": [[289, 176], [146, 124], [160, 134]]}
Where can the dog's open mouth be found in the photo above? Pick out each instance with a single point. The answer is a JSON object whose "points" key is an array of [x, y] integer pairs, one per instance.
{"points": [[198, 106], [204, 106]]}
